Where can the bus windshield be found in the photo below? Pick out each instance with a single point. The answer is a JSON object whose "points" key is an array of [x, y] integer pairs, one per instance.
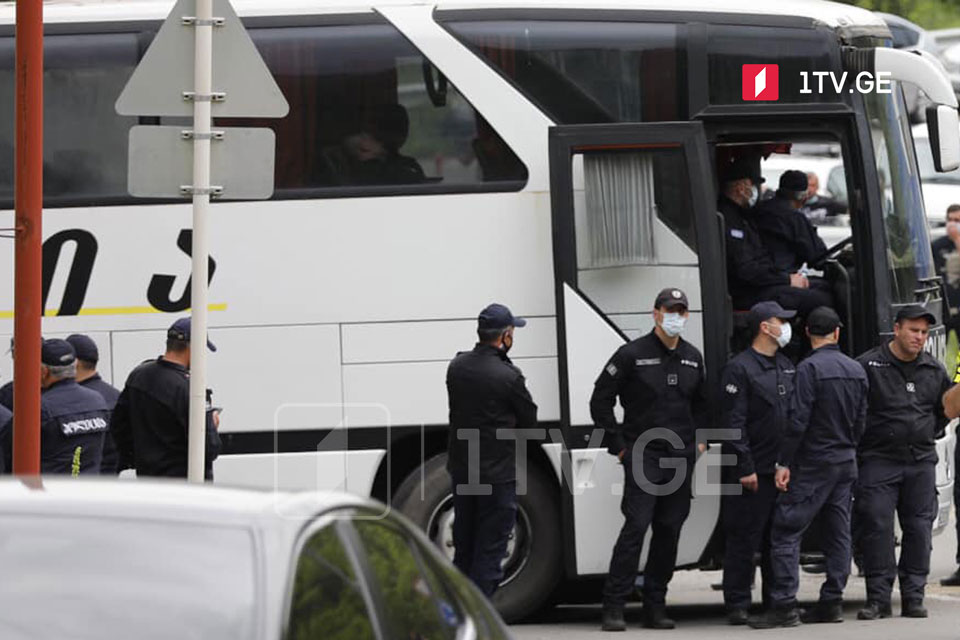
{"points": [[909, 258]]}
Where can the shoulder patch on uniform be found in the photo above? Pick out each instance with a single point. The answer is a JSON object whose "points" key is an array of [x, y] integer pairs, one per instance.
{"points": [[690, 363], [647, 362], [612, 369], [732, 388], [737, 233]]}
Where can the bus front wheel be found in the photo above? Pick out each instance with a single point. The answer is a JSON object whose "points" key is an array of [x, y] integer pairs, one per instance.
{"points": [[533, 563]]}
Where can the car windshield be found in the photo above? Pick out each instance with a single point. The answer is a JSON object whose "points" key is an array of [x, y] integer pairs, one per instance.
{"points": [[82, 578], [927, 171]]}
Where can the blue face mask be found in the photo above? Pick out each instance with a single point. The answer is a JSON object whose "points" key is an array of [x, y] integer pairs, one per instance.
{"points": [[673, 324]]}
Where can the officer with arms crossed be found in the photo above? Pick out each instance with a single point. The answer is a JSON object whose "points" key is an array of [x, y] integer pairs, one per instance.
{"points": [[757, 385], [910, 404], [488, 399], [73, 420], [659, 380], [150, 421], [817, 470], [87, 376]]}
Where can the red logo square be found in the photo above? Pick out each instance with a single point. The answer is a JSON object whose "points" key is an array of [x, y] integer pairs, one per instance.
{"points": [[761, 82]]}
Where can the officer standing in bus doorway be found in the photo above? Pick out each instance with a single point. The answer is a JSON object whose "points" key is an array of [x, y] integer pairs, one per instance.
{"points": [[790, 237], [151, 418], [73, 420], [816, 470], [488, 396], [88, 355], [910, 405], [756, 385], [659, 380]]}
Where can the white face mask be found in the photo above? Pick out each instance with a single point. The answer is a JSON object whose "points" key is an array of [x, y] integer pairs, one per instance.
{"points": [[754, 196], [786, 332], [673, 324]]}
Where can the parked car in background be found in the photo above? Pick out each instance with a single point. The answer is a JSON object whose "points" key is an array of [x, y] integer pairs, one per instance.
{"points": [[120, 559], [940, 190], [911, 37]]}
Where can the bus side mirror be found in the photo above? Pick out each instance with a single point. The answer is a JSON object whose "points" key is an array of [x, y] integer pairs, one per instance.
{"points": [[943, 125]]}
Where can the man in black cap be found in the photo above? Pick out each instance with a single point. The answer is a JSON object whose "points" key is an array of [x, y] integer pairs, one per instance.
{"points": [[488, 398], [816, 470], [787, 233], [151, 418], [659, 381], [88, 355], [752, 273], [73, 420], [911, 402], [757, 385]]}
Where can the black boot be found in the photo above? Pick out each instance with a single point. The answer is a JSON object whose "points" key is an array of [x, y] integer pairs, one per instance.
{"points": [[737, 616], [823, 612], [875, 610], [913, 609], [952, 580], [776, 617], [612, 618], [655, 617]]}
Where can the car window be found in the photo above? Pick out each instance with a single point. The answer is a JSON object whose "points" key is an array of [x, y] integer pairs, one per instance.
{"points": [[411, 607], [327, 601]]}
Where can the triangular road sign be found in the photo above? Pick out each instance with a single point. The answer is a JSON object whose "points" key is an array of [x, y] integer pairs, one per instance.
{"points": [[166, 71]]}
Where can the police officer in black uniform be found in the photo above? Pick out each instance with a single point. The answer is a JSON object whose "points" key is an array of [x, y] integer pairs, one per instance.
{"points": [[757, 385], [659, 380], [488, 398], [752, 272], [88, 355], [151, 418], [909, 408], [73, 420], [817, 471], [787, 233]]}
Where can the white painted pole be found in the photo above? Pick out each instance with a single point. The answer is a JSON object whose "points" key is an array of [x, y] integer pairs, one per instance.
{"points": [[203, 87]]}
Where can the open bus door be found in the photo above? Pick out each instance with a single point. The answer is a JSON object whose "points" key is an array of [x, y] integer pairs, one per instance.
{"points": [[634, 211]]}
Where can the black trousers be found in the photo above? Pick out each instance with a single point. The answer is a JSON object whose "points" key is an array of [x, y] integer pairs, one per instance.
{"points": [[642, 507], [481, 531], [813, 490], [746, 523], [802, 300], [910, 490]]}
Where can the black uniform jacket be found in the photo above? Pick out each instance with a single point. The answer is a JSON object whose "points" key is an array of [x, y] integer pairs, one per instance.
{"points": [[750, 265], [828, 409], [73, 422], [487, 395], [657, 388], [756, 402], [905, 415], [788, 234], [150, 422], [110, 395]]}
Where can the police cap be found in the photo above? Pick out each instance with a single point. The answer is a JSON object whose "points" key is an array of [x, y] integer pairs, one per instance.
{"points": [[497, 316], [744, 167], [823, 321], [180, 330], [57, 353], [770, 309], [85, 347], [671, 296], [914, 311]]}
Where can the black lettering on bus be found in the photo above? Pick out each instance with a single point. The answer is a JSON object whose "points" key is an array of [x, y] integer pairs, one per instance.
{"points": [[161, 285], [79, 277]]}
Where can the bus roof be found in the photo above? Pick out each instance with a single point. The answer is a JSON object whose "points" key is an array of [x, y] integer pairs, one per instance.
{"points": [[831, 14]]}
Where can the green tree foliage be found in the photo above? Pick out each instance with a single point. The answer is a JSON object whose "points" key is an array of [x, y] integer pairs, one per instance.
{"points": [[929, 14]]}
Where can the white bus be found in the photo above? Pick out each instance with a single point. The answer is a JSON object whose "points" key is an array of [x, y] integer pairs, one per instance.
{"points": [[558, 156]]}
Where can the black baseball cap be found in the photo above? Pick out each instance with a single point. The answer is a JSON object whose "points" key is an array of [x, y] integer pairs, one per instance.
{"points": [[770, 309], [57, 353], [744, 167], [823, 321], [180, 330], [793, 180], [669, 297], [497, 316], [85, 347], [914, 311]]}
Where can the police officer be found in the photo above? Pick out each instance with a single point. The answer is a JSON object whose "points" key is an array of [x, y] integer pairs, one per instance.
{"points": [[73, 420], [752, 273], [909, 408], [659, 380], [757, 385], [88, 355], [816, 471], [488, 398], [151, 417], [787, 233]]}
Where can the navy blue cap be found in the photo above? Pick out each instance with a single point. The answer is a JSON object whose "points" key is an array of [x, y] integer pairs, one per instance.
{"points": [[743, 167], [85, 347], [914, 311], [770, 309], [57, 353], [823, 321], [180, 330], [794, 181], [497, 316]]}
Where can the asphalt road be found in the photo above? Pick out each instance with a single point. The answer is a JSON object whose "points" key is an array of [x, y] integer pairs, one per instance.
{"points": [[698, 610]]}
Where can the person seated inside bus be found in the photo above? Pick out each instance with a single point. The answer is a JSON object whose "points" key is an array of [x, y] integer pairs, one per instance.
{"points": [[752, 273], [370, 153], [818, 206]]}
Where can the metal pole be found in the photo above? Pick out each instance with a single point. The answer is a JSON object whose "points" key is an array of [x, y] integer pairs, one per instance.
{"points": [[28, 172], [203, 87]]}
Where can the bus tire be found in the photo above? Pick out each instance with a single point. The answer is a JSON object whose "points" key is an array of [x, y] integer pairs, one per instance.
{"points": [[530, 578]]}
